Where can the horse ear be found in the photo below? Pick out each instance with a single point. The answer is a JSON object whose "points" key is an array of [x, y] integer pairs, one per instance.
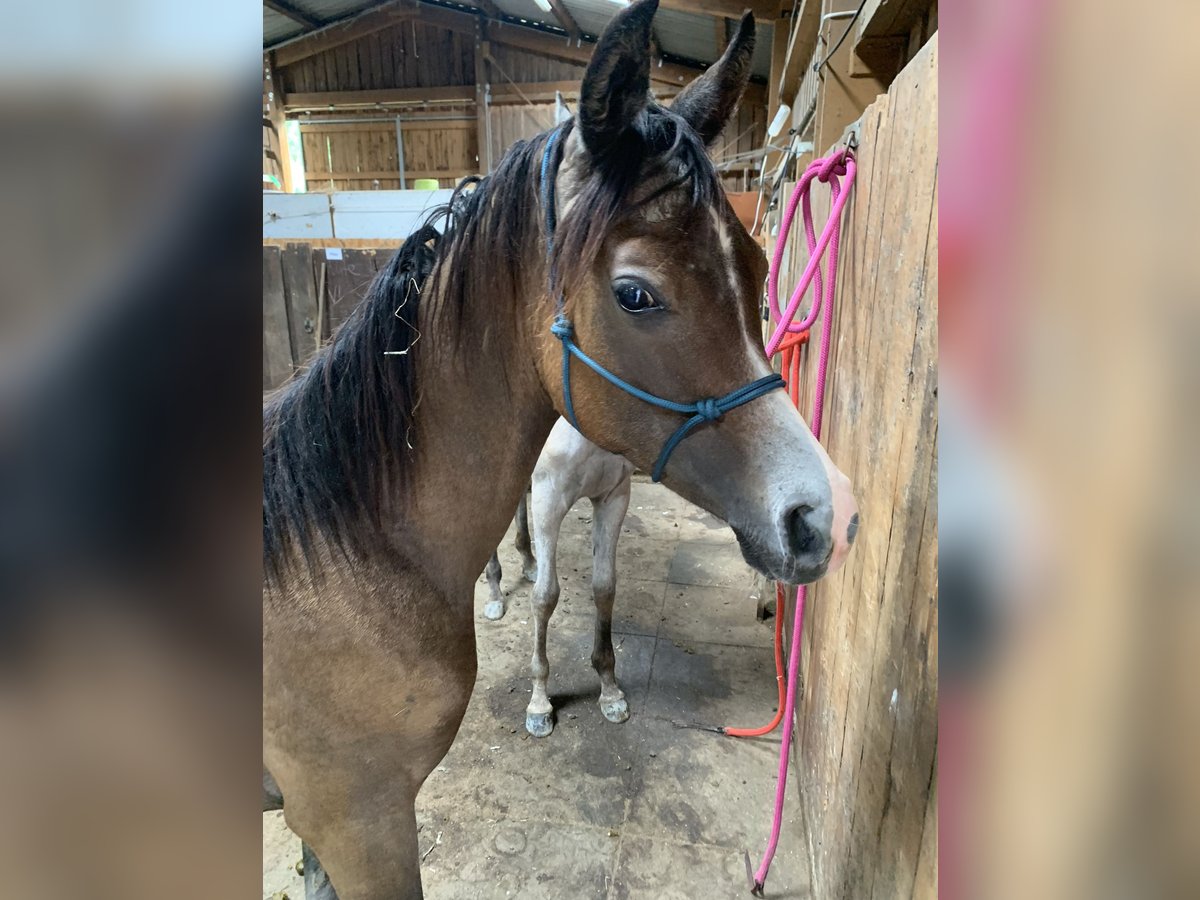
{"points": [[707, 103], [616, 85]]}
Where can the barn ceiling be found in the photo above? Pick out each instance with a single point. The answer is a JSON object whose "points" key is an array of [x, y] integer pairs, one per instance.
{"points": [[688, 37]]}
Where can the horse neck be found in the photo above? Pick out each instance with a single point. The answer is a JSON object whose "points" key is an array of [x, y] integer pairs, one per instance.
{"points": [[482, 417]]}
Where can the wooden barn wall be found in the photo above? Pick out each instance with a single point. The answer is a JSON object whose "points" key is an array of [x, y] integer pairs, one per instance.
{"points": [[362, 155], [407, 55], [306, 296], [867, 756], [520, 66]]}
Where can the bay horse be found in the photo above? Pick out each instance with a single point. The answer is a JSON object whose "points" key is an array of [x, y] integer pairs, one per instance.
{"points": [[569, 468], [611, 235]]}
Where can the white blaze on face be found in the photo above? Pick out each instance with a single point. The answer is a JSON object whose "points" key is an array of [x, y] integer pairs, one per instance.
{"points": [[725, 241]]}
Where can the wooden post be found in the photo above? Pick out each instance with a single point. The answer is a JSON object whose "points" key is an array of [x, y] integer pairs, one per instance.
{"points": [[775, 92], [483, 126], [842, 95], [274, 100]]}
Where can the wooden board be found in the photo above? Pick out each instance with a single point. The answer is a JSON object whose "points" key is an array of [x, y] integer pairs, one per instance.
{"points": [[868, 711], [300, 287], [383, 214], [362, 156], [296, 216], [277, 348], [346, 283]]}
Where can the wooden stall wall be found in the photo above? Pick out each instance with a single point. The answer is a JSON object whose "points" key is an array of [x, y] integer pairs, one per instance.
{"points": [[867, 743], [441, 140], [406, 55], [307, 293], [361, 155]]}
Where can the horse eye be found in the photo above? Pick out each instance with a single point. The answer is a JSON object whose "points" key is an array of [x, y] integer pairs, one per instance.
{"points": [[634, 298]]}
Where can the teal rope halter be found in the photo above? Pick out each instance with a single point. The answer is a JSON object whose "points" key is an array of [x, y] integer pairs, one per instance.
{"points": [[709, 409]]}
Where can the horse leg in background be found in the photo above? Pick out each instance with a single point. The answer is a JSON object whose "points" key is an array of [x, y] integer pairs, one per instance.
{"points": [[528, 563], [316, 881], [494, 608], [549, 509], [607, 515]]}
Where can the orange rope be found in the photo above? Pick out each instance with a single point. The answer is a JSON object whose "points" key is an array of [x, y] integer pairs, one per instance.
{"points": [[790, 348], [767, 729]]}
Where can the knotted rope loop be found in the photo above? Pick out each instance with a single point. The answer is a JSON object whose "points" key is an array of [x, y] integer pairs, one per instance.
{"points": [[709, 409], [562, 329]]}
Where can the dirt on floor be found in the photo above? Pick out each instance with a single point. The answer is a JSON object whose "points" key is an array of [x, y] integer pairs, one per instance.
{"points": [[646, 810]]}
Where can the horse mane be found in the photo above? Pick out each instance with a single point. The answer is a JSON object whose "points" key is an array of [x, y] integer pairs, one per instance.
{"points": [[326, 432]]}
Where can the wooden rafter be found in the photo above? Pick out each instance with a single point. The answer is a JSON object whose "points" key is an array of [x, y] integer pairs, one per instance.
{"points": [[801, 43], [764, 10], [296, 15], [343, 32], [387, 14], [490, 9], [566, 20]]}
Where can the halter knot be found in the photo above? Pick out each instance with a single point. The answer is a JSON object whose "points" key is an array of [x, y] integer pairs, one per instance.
{"points": [[709, 409], [562, 329]]}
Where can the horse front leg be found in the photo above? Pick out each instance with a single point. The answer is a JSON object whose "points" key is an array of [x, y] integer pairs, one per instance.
{"points": [[607, 516], [351, 748]]}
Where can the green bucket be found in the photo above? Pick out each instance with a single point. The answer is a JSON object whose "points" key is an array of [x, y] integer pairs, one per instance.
{"points": [[425, 184]]}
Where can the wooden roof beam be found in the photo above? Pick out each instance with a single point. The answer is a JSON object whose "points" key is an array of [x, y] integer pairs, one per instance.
{"points": [[296, 15], [566, 20], [337, 33], [511, 35], [386, 14], [490, 9], [764, 10], [802, 43]]}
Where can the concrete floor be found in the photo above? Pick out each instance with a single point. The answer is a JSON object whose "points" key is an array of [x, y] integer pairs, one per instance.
{"points": [[645, 809]]}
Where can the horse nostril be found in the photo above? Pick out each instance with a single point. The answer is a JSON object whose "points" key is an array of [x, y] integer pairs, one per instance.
{"points": [[802, 537], [852, 529]]}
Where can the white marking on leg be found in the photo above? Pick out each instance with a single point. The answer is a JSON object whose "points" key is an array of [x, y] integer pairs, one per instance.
{"points": [[608, 514], [548, 511]]}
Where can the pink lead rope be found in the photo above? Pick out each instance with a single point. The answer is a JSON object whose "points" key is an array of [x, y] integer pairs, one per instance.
{"points": [[828, 171]]}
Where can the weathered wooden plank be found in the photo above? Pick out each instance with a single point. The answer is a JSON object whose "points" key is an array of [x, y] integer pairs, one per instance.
{"points": [[388, 127], [841, 98], [868, 711], [383, 97], [346, 283], [341, 33], [925, 885], [277, 349], [300, 286]]}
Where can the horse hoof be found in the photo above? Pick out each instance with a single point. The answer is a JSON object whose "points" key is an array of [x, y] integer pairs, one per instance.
{"points": [[494, 610], [539, 724], [530, 573], [615, 711]]}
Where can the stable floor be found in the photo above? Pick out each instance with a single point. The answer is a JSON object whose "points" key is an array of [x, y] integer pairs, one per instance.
{"points": [[644, 809]]}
